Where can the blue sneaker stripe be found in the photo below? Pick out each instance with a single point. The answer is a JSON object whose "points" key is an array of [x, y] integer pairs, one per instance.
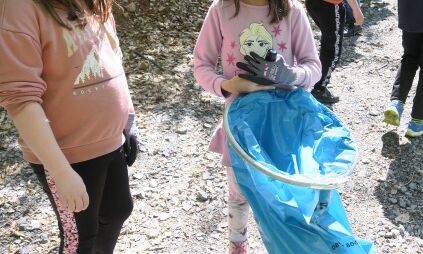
{"points": [[415, 128]]}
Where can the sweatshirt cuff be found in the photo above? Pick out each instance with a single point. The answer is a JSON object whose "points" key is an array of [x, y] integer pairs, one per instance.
{"points": [[217, 87], [300, 76]]}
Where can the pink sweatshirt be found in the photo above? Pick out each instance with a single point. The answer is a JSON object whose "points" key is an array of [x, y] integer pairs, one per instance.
{"points": [[76, 75], [230, 38]]}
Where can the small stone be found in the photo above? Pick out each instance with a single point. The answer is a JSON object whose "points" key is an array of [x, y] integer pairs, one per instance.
{"points": [[202, 196], [393, 200], [182, 131], [374, 113], [143, 66], [153, 233], [35, 224], [206, 175], [412, 186], [413, 207], [164, 216], [131, 7], [395, 233], [402, 203], [404, 218], [26, 249], [138, 193], [153, 183], [365, 161], [138, 176], [186, 206]]}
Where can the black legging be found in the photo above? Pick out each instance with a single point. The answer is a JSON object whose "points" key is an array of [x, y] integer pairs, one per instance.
{"points": [[330, 19], [412, 59], [96, 229]]}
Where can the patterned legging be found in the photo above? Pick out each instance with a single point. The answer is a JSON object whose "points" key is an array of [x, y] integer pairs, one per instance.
{"points": [[96, 229], [238, 210]]}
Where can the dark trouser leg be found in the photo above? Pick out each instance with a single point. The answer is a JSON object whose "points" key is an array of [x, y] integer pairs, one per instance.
{"points": [[349, 16], [116, 205], [79, 231], [408, 67], [417, 111], [330, 19]]}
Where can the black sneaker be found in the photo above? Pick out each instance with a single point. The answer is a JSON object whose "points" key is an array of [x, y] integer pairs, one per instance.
{"points": [[323, 95], [352, 30]]}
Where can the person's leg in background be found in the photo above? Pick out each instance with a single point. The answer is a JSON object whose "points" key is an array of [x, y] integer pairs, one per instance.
{"points": [[404, 78], [415, 126], [330, 19], [238, 213], [350, 28]]}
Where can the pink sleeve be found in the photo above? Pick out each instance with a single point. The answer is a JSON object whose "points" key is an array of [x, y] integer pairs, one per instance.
{"points": [[207, 51], [20, 71], [304, 48]]}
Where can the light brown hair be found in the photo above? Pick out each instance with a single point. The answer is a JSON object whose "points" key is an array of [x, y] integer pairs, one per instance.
{"points": [[277, 9], [99, 8]]}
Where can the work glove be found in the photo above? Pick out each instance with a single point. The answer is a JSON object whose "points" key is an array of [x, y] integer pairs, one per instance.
{"points": [[130, 147], [265, 72]]}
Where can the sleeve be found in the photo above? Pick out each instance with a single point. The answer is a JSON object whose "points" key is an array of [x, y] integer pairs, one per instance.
{"points": [[304, 49], [20, 71], [207, 51]]}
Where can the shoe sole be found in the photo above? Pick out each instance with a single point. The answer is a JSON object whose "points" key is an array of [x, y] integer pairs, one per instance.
{"points": [[323, 100], [412, 134], [357, 33], [327, 101], [391, 117], [351, 35]]}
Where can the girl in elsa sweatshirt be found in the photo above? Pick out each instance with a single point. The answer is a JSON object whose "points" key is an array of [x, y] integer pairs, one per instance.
{"points": [[234, 30]]}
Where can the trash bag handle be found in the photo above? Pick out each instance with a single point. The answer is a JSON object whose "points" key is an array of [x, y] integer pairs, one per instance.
{"points": [[298, 180]]}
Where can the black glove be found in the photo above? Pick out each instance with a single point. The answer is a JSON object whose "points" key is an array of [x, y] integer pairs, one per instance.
{"points": [[130, 147], [265, 72]]}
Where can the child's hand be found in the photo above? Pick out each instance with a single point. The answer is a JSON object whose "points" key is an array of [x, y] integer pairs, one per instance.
{"points": [[238, 85], [72, 192], [130, 147], [264, 72]]}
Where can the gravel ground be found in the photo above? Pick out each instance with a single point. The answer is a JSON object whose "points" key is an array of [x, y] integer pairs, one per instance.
{"points": [[180, 189]]}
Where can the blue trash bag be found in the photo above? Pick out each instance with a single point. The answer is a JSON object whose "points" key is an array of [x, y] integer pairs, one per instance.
{"points": [[305, 149]]}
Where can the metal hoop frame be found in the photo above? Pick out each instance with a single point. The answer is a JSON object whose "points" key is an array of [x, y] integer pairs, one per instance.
{"points": [[323, 183]]}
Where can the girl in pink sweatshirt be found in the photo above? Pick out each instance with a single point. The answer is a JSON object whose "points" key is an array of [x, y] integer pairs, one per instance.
{"points": [[232, 30], [62, 83]]}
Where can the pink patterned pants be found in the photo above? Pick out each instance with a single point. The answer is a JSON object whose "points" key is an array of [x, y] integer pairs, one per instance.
{"points": [[238, 210]]}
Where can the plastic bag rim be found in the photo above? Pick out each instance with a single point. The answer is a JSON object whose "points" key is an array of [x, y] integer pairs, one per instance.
{"points": [[327, 184]]}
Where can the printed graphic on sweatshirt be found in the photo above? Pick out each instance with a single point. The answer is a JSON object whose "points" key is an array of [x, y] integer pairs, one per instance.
{"points": [[255, 38], [258, 39], [92, 68]]}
